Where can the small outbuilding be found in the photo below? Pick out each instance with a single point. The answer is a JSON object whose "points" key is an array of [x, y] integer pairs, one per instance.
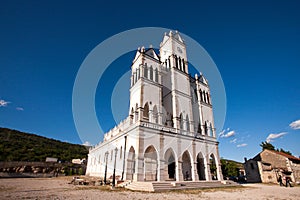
{"points": [[266, 167]]}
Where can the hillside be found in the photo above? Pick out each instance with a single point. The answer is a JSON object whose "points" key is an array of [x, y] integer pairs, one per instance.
{"points": [[19, 146], [230, 168]]}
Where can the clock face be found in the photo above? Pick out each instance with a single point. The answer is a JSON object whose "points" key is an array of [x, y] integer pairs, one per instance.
{"points": [[179, 50]]}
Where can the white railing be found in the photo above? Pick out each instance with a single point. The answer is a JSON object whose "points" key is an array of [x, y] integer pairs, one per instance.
{"points": [[126, 123]]}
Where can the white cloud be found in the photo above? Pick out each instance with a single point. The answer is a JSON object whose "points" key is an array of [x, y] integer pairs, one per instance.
{"points": [[295, 125], [233, 141], [226, 133], [20, 108], [87, 143], [241, 145], [273, 136], [3, 103], [221, 133]]}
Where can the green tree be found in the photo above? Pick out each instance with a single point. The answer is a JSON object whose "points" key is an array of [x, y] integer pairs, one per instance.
{"points": [[267, 145], [229, 168], [283, 151]]}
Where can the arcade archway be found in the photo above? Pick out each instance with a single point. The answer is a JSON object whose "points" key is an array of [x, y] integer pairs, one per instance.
{"points": [[150, 164], [186, 166]]}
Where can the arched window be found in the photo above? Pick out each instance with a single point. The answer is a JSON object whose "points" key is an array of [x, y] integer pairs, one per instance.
{"points": [[199, 128], [181, 121], [146, 71], [211, 130], [155, 115], [183, 65], [151, 73], [195, 96], [180, 64], [204, 96], [138, 73], [208, 100], [156, 75], [205, 128], [201, 98], [146, 112], [176, 62], [187, 123]]}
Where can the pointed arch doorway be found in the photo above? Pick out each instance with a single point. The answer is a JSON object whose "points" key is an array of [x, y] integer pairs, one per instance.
{"points": [[150, 164], [186, 166], [213, 167], [200, 167], [130, 164], [170, 165]]}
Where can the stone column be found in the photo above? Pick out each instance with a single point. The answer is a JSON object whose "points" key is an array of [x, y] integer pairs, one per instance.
{"points": [[159, 115], [194, 162], [196, 172], [193, 170], [140, 113], [151, 116], [141, 67], [139, 169], [219, 168], [208, 174], [161, 160], [179, 175]]}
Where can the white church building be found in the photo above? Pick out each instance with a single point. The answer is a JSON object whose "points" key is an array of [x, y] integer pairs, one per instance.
{"points": [[169, 133]]}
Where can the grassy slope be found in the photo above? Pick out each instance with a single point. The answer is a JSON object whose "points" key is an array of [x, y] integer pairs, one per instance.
{"points": [[19, 146]]}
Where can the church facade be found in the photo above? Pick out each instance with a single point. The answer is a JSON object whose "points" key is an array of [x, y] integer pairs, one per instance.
{"points": [[169, 133]]}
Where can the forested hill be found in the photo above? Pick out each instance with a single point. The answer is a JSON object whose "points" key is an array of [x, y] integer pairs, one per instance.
{"points": [[19, 146]]}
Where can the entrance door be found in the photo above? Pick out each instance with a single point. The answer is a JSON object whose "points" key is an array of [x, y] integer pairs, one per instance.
{"points": [[150, 164], [186, 166], [200, 167], [171, 167]]}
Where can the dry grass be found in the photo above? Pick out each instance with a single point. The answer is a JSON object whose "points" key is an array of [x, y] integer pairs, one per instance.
{"points": [[197, 191], [6, 189], [101, 188]]}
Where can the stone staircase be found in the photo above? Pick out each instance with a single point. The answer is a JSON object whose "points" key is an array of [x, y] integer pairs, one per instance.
{"points": [[140, 186], [166, 185]]}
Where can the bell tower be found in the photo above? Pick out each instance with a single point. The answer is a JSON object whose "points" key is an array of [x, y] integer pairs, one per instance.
{"points": [[145, 90], [176, 91]]}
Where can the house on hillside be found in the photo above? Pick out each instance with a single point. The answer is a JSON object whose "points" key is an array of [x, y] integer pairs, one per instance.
{"points": [[266, 166]]}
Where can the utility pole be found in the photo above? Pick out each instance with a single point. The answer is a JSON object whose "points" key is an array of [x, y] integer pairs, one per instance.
{"points": [[125, 137], [114, 174], [106, 155]]}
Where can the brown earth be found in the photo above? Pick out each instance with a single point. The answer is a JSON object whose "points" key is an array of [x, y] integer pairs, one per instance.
{"points": [[58, 188]]}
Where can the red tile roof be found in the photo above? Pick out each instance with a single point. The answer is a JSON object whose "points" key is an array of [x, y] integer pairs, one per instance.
{"points": [[286, 155]]}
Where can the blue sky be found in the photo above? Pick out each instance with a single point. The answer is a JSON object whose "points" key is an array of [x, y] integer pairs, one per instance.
{"points": [[255, 45]]}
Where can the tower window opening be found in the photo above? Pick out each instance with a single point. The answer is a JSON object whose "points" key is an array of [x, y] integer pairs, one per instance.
{"points": [[151, 73]]}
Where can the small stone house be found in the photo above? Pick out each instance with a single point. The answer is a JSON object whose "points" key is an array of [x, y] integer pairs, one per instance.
{"points": [[266, 167]]}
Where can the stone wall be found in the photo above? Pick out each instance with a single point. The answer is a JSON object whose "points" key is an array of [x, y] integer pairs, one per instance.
{"points": [[277, 161], [252, 171], [39, 169]]}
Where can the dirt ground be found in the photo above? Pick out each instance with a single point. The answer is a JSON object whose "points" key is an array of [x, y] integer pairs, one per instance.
{"points": [[58, 188]]}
